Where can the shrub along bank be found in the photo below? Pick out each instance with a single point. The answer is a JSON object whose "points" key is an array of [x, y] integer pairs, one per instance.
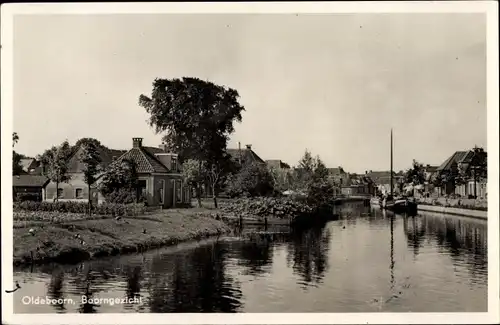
{"points": [[294, 209]]}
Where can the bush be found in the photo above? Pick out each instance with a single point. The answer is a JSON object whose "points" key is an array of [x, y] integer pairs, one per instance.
{"points": [[267, 206], [124, 196], [320, 194], [253, 180], [82, 207]]}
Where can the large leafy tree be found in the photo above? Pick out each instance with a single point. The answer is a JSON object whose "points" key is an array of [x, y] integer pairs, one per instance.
{"points": [[305, 170], [415, 175], [91, 160], [196, 117], [57, 161], [320, 171]]}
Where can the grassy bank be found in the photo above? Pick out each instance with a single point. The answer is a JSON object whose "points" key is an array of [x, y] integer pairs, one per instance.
{"points": [[41, 237]]}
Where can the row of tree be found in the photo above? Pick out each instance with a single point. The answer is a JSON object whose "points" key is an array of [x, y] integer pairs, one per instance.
{"points": [[196, 118]]}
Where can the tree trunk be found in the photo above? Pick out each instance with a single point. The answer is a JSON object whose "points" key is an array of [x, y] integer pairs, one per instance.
{"points": [[198, 195], [214, 196], [475, 186], [57, 191], [90, 202]]}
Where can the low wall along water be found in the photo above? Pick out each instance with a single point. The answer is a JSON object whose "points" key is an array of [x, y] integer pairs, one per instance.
{"points": [[454, 210]]}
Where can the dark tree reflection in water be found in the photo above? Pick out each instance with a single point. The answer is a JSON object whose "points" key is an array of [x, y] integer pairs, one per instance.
{"points": [[255, 256], [194, 281], [55, 289], [461, 239], [415, 233], [308, 254]]}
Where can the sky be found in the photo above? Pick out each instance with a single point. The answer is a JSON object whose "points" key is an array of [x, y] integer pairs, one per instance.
{"points": [[334, 84]]}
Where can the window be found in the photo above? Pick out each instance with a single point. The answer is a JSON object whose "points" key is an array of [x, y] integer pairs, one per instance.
{"points": [[161, 191], [79, 193], [60, 193], [174, 163], [178, 190]]}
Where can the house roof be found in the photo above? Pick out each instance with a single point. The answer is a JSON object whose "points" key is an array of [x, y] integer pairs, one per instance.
{"points": [[106, 155], [29, 181], [457, 157], [276, 163], [26, 163], [145, 160], [336, 171], [247, 155], [431, 169]]}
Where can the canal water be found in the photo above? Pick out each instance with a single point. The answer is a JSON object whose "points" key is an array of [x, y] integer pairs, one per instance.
{"points": [[366, 261]]}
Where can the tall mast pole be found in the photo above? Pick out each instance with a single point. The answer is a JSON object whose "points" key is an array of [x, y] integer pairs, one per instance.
{"points": [[391, 167]]}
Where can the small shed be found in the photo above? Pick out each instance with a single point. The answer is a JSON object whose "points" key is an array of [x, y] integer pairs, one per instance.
{"points": [[29, 187]]}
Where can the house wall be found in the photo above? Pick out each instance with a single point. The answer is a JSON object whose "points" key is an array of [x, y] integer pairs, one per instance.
{"points": [[68, 189], [152, 190], [28, 189], [176, 192]]}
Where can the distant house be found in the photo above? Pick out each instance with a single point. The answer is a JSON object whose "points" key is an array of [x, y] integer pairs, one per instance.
{"points": [[32, 187], [338, 176], [382, 180], [245, 156], [464, 161], [159, 174], [76, 189], [29, 165], [358, 185]]}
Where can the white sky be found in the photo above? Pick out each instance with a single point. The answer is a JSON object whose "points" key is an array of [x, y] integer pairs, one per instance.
{"points": [[334, 84]]}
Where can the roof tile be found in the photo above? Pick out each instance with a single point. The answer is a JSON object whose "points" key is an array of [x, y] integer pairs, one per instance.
{"points": [[29, 181]]}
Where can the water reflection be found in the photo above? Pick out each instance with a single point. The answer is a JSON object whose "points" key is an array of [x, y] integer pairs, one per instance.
{"points": [[308, 254], [463, 239], [392, 252], [340, 266], [194, 281], [55, 289]]}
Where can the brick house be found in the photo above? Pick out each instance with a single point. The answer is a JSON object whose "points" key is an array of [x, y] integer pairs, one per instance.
{"points": [[76, 189], [465, 161], [358, 185], [338, 176], [159, 175]]}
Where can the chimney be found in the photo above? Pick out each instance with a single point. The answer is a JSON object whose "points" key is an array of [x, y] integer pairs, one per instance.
{"points": [[163, 146], [249, 146], [136, 142]]}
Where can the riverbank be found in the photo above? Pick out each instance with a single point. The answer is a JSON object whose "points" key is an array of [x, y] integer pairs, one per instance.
{"points": [[480, 214], [43, 237]]}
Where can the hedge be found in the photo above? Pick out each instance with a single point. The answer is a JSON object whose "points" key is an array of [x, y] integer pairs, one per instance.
{"points": [[82, 207]]}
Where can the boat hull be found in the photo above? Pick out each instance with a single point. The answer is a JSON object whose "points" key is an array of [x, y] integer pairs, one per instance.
{"points": [[403, 206]]}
